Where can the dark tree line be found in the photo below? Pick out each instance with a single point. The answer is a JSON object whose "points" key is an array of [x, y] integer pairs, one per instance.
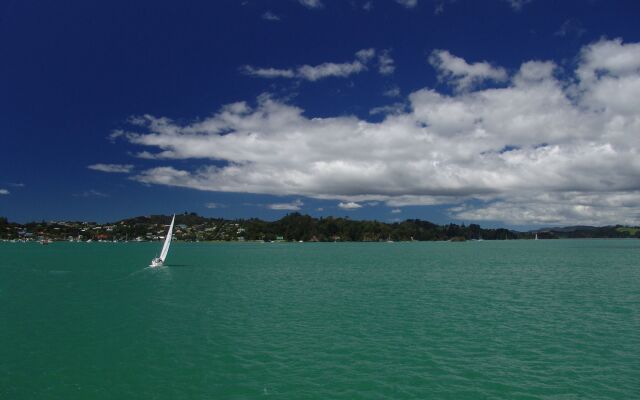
{"points": [[296, 226]]}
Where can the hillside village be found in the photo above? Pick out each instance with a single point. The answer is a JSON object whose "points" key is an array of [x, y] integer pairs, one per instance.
{"points": [[293, 227]]}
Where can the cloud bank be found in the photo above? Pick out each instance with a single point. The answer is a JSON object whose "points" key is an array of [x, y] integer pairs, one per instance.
{"points": [[462, 75], [538, 149]]}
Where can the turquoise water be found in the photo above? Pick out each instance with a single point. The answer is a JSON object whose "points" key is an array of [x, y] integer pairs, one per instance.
{"points": [[477, 320]]}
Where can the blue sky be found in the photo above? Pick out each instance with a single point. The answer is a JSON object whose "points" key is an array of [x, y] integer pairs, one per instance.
{"points": [[498, 112]]}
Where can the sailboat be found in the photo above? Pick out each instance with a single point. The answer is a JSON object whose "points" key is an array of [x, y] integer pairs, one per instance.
{"points": [[158, 261], [536, 237]]}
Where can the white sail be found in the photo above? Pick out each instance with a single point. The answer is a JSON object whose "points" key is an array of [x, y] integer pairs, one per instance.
{"points": [[167, 240]]}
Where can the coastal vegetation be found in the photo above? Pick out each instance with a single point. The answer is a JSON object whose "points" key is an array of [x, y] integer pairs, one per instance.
{"points": [[292, 227]]}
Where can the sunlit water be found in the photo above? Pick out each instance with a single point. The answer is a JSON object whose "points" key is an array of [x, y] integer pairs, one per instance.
{"points": [[477, 320]]}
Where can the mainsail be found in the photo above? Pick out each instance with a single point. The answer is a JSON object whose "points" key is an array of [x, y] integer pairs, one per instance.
{"points": [[167, 240]]}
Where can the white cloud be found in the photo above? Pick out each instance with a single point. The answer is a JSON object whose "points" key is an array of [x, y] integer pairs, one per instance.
{"points": [[407, 3], [113, 168], [365, 55], [396, 211], [293, 206], [214, 205], [540, 148], [564, 208], [367, 6], [268, 72], [311, 3], [315, 72], [4, 191], [118, 133], [325, 70], [351, 205], [609, 59], [385, 63], [270, 16], [462, 75]]}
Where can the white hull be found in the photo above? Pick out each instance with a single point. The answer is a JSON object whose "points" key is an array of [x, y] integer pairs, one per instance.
{"points": [[156, 262]]}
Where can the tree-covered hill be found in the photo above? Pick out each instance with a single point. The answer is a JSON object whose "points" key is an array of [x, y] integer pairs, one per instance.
{"points": [[292, 227]]}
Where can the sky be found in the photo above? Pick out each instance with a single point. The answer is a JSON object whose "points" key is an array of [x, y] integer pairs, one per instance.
{"points": [[516, 113]]}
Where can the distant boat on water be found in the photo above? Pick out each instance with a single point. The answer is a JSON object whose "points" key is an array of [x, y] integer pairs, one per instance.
{"points": [[536, 238], [159, 261]]}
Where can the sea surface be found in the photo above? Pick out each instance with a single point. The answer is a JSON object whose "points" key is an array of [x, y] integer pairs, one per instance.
{"points": [[546, 319]]}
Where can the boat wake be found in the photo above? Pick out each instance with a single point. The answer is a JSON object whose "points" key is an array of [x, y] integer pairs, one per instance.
{"points": [[141, 271]]}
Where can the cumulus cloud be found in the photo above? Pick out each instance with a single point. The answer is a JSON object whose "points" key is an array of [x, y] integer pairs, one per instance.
{"points": [[396, 211], [407, 3], [609, 59], [351, 205], [315, 72], [214, 205], [558, 208], [543, 148], [112, 168], [462, 75], [293, 206], [4, 191]]}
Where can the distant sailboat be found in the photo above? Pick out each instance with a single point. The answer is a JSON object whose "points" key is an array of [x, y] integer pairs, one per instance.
{"points": [[159, 261], [536, 237]]}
